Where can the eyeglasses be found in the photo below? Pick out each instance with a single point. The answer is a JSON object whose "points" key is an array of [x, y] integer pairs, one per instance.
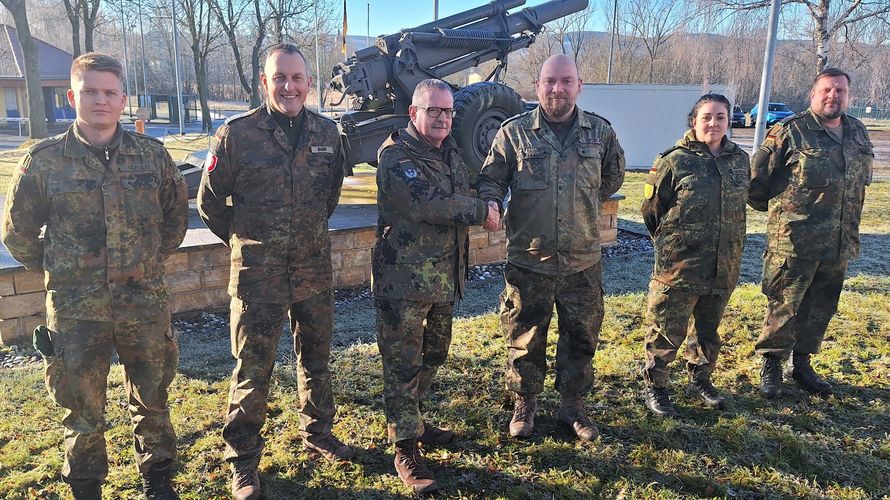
{"points": [[435, 112]]}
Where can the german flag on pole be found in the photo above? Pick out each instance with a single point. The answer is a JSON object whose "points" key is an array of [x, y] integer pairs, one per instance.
{"points": [[345, 27]]}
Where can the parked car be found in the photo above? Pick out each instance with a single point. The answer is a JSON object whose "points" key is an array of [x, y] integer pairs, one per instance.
{"points": [[738, 117], [776, 112]]}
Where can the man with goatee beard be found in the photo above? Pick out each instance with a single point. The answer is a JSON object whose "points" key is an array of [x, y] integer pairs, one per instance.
{"points": [[810, 173], [559, 163], [282, 166]]}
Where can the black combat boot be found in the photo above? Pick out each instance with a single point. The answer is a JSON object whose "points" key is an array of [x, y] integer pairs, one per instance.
{"points": [[434, 436], [802, 373], [411, 469], [85, 489], [771, 376], [245, 479], [156, 482], [700, 386], [658, 401], [523, 422]]}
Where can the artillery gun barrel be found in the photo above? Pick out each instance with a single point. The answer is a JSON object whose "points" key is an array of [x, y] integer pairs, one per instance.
{"points": [[488, 11]]}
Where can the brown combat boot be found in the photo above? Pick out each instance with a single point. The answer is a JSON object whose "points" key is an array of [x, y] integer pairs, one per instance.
{"points": [[411, 469], [156, 482], [800, 369], [245, 480], [523, 422], [329, 447], [434, 436], [572, 413], [85, 489]]}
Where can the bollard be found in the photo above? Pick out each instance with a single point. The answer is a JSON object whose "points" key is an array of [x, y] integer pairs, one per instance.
{"points": [[140, 126]]}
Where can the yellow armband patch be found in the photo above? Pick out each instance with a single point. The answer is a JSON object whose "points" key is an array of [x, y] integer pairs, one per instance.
{"points": [[648, 191]]}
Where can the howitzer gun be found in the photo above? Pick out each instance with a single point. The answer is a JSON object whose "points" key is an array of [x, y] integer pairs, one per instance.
{"points": [[380, 80]]}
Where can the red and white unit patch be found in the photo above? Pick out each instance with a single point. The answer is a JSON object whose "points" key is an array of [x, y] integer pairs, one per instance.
{"points": [[210, 162]]}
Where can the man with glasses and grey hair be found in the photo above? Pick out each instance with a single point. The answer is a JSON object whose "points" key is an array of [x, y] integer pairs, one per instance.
{"points": [[419, 265]]}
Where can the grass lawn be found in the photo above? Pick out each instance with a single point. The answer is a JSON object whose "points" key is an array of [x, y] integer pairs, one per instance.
{"points": [[795, 446]]}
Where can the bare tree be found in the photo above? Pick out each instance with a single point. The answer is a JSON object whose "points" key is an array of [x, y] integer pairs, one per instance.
{"points": [[653, 23], [32, 68], [830, 18], [231, 14], [202, 42]]}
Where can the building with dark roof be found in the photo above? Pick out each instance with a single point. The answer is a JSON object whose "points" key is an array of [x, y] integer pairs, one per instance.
{"points": [[54, 66]]}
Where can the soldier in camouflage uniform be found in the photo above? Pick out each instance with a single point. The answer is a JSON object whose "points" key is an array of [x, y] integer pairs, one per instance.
{"points": [[810, 173], [114, 206], [283, 167], [419, 266], [694, 208], [560, 164]]}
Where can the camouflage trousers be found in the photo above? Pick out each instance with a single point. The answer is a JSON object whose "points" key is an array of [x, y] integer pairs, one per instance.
{"points": [[255, 331], [802, 297], [77, 378], [668, 313], [413, 338], [526, 309]]}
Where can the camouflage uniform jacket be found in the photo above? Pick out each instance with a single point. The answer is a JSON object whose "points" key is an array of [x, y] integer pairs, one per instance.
{"points": [[813, 186], [277, 223], [694, 208], [425, 207], [553, 216], [107, 230]]}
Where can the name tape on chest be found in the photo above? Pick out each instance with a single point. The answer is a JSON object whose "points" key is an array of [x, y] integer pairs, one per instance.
{"points": [[322, 149]]}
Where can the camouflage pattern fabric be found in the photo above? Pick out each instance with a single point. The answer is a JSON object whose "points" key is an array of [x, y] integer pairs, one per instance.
{"points": [[802, 296], [526, 309], [694, 209], [413, 338], [256, 330], [425, 209], [813, 186], [107, 230], [277, 224], [552, 222], [668, 314], [76, 377]]}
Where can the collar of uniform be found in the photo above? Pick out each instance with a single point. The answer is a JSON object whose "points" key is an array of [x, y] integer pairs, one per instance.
{"points": [[267, 122], [76, 145], [691, 143], [814, 123], [418, 144], [537, 119]]}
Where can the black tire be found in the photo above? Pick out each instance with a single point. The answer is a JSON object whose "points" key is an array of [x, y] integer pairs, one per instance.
{"points": [[480, 109]]}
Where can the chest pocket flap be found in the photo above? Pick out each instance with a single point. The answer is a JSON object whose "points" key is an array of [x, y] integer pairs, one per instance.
{"points": [[147, 180], [531, 168], [73, 186]]}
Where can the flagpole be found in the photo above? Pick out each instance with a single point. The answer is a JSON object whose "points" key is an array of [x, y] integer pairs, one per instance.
{"points": [[317, 58]]}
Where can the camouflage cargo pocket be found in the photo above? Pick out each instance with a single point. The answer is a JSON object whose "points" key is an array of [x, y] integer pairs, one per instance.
{"points": [[55, 376]]}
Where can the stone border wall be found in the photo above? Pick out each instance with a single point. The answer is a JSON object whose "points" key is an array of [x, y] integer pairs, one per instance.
{"points": [[198, 276]]}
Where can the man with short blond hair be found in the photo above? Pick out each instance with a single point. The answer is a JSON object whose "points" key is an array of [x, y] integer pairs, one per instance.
{"points": [[114, 206]]}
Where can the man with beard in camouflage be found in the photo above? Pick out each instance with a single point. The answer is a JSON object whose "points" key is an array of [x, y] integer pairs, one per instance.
{"points": [[559, 163], [810, 173], [114, 205], [283, 167], [419, 266]]}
